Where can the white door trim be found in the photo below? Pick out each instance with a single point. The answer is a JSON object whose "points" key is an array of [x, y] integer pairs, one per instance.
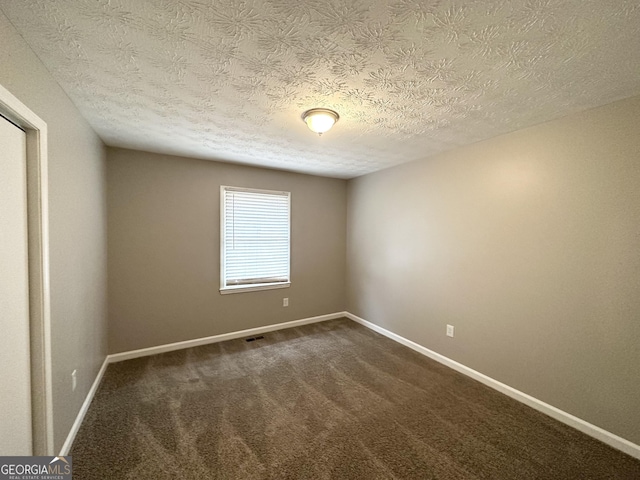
{"points": [[39, 292]]}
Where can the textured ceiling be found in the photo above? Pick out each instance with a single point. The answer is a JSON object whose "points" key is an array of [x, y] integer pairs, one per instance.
{"points": [[229, 79]]}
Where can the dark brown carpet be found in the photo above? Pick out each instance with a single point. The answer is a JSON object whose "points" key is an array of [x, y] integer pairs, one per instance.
{"points": [[331, 400]]}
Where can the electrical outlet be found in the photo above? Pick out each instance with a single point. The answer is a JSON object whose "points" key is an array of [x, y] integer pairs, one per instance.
{"points": [[285, 302], [449, 330], [74, 380]]}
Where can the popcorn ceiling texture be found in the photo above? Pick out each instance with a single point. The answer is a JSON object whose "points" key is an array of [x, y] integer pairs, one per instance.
{"points": [[229, 79]]}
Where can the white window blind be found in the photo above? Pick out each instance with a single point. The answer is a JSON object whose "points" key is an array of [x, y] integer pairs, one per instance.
{"points": [[255, 239]]}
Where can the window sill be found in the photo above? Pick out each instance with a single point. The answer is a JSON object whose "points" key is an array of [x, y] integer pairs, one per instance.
{"points": [[253, 288]]}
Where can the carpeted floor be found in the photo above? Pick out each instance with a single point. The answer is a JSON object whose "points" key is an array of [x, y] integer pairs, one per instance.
{"points": [[331, 400]]}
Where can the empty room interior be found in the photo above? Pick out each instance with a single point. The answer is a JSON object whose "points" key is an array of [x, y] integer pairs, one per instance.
{"points": [[353, 239]]}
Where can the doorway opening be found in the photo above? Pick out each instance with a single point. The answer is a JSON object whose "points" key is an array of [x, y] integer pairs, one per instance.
{"points": [[38, 269]]}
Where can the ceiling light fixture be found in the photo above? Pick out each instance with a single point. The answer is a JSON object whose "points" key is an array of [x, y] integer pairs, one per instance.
{"points": [[320, 120]]}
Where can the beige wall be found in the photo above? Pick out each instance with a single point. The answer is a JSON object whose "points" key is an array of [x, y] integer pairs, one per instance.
{"points": [[529, 244], [164, 249], [77, 220]]}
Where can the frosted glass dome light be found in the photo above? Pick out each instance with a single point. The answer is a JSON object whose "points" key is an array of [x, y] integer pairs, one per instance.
{"points": [[320, 120]]}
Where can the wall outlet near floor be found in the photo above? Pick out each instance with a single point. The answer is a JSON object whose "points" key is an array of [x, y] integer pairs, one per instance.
{"points": [[74, 380], [285, 302], [449, 330]]}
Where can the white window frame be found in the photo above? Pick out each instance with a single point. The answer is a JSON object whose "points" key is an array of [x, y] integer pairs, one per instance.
{"points": [[226, 289]]}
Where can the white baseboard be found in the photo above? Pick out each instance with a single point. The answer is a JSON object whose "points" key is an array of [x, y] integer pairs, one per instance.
{"points": [[169, 347], [594, 431], [119, 357], [83, 410]]}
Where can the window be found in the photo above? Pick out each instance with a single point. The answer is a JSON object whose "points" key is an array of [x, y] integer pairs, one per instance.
{"points": [[255, 239]]}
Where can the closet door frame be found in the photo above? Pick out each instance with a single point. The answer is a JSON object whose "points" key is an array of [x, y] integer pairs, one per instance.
{"points": [[38, 251]]}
